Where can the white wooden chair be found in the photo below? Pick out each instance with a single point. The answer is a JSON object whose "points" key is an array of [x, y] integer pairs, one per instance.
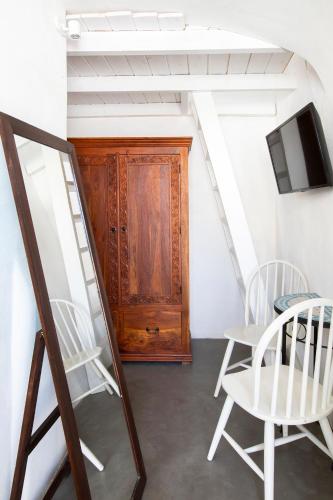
{"points": [[283, 395], [269, 281], [78, 349]]}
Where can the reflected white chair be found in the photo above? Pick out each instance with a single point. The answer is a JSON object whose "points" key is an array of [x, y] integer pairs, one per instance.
{"points": [[269, 281], [281, 394], [79, 349]]}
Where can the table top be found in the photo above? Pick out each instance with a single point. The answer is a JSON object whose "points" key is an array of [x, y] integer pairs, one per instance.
{"points": [[281, 304]]}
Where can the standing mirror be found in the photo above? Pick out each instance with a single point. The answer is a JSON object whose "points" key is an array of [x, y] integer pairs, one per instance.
{"points": [[74, 316]]}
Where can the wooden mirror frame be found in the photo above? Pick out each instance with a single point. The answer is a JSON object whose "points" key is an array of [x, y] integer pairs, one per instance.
{"points": [[10, 126]]}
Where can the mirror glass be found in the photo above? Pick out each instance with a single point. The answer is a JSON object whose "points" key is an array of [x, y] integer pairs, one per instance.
{"points": [[80, 323]]}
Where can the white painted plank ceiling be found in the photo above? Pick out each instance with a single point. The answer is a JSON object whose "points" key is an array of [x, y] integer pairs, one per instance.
{"points": [[238, 63], [95, 22], [171, 21], [123, 98], [139, 65], [198, 64], [129, 21], [121, 21], [218, 64], [146, 21], [194, 64], [158, 65], [258, 63], [178, 64], [120, 65], [278, 62], [101, 66]]}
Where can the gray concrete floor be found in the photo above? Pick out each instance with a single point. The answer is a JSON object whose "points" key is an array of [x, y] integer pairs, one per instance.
{"points": [[176, 416]]}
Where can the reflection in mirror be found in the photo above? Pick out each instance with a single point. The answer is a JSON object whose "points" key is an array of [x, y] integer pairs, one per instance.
{"points": [[79, 318]]}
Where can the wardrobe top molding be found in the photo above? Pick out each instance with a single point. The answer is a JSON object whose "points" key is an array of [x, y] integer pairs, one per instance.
{"points": [[132, 142]]}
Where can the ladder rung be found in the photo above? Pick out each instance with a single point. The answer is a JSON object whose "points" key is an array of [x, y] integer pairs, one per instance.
{"points": [[84, 249], [77, 217], [97, 313], [91, 281]]}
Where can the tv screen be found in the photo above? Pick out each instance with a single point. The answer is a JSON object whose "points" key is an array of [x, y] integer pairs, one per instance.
{"points": [[299, 153]]}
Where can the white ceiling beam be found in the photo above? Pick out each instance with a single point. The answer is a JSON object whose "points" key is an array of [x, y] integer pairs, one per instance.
{"points": [[166, 42], [181, 83], [257, 108], [120, 110]]}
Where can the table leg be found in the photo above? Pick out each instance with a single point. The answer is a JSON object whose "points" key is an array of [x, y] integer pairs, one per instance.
{"points": [[284, 344], [315, 341]]}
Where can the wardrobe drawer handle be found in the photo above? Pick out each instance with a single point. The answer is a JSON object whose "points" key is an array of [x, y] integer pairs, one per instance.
{"points": [[152, 330]]}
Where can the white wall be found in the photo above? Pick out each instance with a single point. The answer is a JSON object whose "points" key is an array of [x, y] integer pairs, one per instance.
{"points": [[215, 303], [33, 88], [304, 226]]}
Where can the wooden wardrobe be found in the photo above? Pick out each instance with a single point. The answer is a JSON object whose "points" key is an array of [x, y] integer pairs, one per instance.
{"points": [[137, 195]]}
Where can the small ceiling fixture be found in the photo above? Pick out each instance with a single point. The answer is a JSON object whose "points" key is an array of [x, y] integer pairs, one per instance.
{"points": [[72, 28]]}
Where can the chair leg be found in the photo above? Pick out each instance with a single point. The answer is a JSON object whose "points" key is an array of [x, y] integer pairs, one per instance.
{"points": [[285, 431], [107, 375], [269, 461], [224, 366], [328, 434], [90, 456], [108, 389], [227, 407]]}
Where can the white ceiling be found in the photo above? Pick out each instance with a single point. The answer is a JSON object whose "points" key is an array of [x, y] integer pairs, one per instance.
{"points": [[194, 64], [159, 65], [301, 26], [127, 20], [123, 98]]}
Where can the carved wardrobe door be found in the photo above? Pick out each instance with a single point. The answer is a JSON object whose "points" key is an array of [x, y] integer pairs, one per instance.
{"points": [[137, 197], [100, 179]]}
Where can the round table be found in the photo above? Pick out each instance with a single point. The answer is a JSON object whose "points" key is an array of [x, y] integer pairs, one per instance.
{"points": [[281, 304]]}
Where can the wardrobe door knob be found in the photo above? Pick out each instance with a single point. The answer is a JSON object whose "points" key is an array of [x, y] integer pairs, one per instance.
{"points": [[124, 229], [152, 330]]}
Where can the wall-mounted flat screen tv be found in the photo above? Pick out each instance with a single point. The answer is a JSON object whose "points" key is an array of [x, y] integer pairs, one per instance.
{"points": [[299, 153]]}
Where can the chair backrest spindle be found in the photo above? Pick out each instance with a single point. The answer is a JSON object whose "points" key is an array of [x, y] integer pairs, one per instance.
{"points": [[268, 282], [313, 395], [73, 326]]}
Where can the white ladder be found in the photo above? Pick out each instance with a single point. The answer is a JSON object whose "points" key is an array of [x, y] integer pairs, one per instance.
{"points": [[203, 109], [87, 266]]}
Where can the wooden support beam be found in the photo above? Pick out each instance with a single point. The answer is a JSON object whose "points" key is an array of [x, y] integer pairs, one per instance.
{"points": [[181, 83], [187, 41]]}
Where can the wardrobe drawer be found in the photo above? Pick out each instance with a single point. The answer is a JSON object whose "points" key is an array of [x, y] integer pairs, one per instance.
{"points": [[151, 332]]}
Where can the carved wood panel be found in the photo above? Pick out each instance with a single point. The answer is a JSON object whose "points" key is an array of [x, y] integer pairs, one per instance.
{"points": [[100, 180], [149, 219]]}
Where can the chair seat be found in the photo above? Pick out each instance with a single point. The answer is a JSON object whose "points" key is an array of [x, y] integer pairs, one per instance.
{"points": [[81, 358], [240, 387], [248, 335]]}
